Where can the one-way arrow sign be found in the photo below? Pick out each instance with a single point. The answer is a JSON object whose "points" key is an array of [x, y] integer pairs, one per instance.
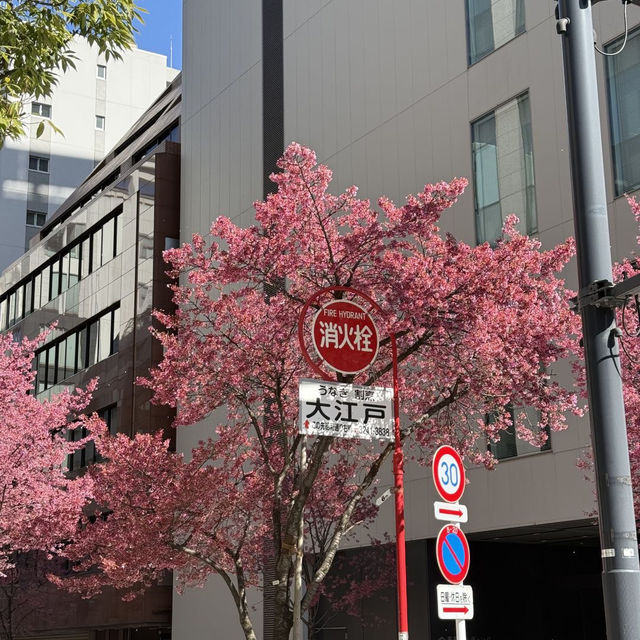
{"points": [[450, 512], [455, 609], [455, 602]]}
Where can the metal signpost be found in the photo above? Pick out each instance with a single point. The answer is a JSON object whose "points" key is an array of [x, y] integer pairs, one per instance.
{"points": [[596, 298], [454, 600], [345, 338]]}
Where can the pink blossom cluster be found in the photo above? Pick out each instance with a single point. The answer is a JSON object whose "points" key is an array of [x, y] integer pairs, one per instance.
{"points": [[39, 504], [479, 328]]}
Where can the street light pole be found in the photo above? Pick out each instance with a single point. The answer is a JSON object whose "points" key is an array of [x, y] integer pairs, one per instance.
{"points": [[619, 546]]}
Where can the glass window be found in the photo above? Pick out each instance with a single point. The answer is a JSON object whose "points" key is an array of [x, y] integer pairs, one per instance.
{"points": [[12, 309], [36, 218], [104, 337], [108, 240], [41, 109], [78, 350], [41, 371], [92, 332], [100, 120], [492, 23], [115, 331], [101, 71], [503, 171], [28, 299], [38, 163], [55, 279], [61, 369], [74, 265], [510, 446], [64, 272], [70, 354], [85, 258], [82, 349], [96, 249], [51, 366], [119, 219], [37, 283], [3, 314], [110, 417], [45, 292], [623, 80], [19, 303]]}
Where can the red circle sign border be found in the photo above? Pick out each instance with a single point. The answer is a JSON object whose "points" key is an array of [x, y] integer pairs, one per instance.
{"points": [[441, 451], [377, 340], [449, 577]]}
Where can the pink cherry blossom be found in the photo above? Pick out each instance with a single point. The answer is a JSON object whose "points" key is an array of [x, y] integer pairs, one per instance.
{"points": [[39, 504], [479, 329]]}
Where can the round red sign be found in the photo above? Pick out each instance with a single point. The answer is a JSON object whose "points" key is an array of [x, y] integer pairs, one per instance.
{"points": [[448, 473], [345, 336]]}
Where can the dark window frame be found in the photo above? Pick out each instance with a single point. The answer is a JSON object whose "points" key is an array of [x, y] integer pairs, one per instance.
{"points": [[41, 109], [88, 326], [39, 160], [620, 184], [521, 28]]}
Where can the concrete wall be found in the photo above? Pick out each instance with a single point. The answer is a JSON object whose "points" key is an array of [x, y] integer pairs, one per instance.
{"points": [[221, 175]]}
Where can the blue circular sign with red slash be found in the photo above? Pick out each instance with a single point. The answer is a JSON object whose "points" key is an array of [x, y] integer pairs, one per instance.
{"points": [[452, 552]]}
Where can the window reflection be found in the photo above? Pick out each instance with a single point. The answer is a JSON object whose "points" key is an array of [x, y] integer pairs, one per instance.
{"points": [[79, 349], [76, 262]]}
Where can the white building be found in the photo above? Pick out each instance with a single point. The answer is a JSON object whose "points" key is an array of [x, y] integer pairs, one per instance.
{"points": [[393, 95], [93, 106]]}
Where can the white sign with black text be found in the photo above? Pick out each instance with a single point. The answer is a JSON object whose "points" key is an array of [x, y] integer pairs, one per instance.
{"points": [[345, 410], [455, 602]]}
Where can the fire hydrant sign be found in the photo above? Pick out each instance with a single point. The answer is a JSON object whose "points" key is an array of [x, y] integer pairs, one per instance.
{"points": [[345, 410], [345, 336]]}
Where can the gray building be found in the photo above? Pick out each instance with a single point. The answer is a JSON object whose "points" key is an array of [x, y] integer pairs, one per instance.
{"points": [[93, 106], [96, 268], [393, 95]]}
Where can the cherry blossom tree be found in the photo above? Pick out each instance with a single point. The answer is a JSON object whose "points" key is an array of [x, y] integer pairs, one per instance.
{"points": [[479, 329], [628, 320], [39, 505]]}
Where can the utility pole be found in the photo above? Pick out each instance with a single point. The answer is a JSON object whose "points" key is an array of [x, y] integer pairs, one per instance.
{"points": [[618, 540]]}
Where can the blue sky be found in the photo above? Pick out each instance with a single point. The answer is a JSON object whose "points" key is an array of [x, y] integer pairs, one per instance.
{"points": [[162, 23]]}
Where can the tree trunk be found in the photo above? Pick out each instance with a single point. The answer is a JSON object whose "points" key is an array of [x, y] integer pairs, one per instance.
{"points": [[282, 616]]}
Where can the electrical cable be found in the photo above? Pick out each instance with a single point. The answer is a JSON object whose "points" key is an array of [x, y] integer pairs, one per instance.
{"points": [[626, 353], [626, 34], [636, 332]]}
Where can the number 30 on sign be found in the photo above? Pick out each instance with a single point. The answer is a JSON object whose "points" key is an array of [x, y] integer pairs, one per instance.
{"points": [[448, 473]]}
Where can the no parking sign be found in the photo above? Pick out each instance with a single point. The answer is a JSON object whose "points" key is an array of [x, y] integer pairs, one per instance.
{"points": [[452, 552]]}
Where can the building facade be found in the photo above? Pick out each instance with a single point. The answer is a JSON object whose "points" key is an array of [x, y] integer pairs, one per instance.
{"points": [[93, 106], [96, 269], [392, 96]]}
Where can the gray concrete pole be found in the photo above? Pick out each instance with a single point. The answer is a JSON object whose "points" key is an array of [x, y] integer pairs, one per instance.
{"points": [[619, 547]]}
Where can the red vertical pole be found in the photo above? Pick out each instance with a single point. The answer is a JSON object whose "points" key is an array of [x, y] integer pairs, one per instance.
{"points": [[398, 475]]}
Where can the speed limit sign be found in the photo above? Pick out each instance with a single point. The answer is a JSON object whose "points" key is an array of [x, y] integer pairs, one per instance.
{"points": [[448, 473]]}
